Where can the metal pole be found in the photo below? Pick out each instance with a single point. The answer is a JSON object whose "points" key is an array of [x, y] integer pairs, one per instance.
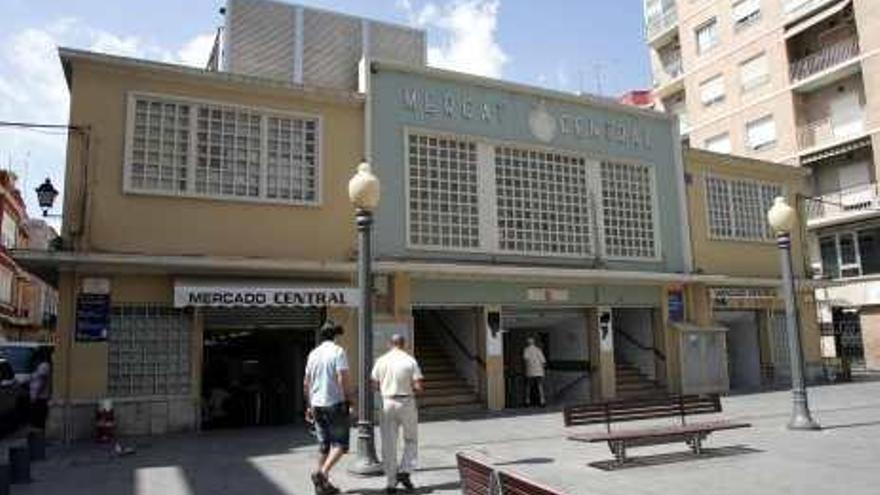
{"points": [[800, 414], [366, 463]]}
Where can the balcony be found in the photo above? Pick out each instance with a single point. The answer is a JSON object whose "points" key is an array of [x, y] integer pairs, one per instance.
{"points": [[827, 131], [848, 205], [670, 80], [660, 26], [823, 60], [797, 8]]}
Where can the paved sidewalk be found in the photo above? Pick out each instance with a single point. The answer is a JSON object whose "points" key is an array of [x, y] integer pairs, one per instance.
{"points": [[843, 458]]}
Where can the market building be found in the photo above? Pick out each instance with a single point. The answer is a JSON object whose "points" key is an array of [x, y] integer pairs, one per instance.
{"points": [[208, 234]]}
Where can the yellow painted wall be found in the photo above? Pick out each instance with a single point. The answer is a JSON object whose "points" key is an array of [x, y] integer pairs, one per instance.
{"points": [[135, 223], [739, 258]]}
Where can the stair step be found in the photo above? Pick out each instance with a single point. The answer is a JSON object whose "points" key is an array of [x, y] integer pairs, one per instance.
{"points": [[445, 392], [447, 400], [456, 411]]}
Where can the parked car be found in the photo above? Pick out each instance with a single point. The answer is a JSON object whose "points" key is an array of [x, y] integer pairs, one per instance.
{"points": [[21, 356], [13, 399]]}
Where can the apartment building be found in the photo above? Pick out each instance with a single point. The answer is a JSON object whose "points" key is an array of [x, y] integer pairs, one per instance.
{"points": [[795, 82]]}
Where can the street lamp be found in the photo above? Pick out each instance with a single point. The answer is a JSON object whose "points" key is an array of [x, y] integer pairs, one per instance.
{"points": [[46, 195], [363, 191], [782, 219]]}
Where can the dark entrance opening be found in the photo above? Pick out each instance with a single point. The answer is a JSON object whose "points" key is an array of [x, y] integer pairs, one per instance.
{"points": [[252, 372]]}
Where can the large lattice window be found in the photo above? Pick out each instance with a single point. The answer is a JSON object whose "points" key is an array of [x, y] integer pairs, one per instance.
{"points": [[148, 351], [628, 210], [543, 202], [228, 151], [737, 209], [159, 146], [195, 148], [443, 198], [292, 159]]}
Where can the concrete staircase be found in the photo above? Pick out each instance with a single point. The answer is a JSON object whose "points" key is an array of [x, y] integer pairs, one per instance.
{"points": [[632, 383], [446, 392]]}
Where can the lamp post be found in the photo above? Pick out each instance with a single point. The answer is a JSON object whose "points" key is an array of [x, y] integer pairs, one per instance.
{"points": [[782, 219], [363, 191]]}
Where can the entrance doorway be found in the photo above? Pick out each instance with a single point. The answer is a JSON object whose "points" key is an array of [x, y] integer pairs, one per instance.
{"points": [[743, 349], [254, 360], [639, 361], [562, 336]]}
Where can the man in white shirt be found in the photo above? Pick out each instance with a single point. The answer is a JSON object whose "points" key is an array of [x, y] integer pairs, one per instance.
{"points": [[397, 376], [535, 362], [326, 387]]}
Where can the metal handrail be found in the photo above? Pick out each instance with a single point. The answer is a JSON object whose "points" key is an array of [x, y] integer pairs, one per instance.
{"points": [[632, 340], [570, 385], [821, 131], [825, 58], [447, 330]]}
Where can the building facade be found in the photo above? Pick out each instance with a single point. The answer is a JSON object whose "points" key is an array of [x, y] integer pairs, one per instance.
{"points": [[794, 82]]}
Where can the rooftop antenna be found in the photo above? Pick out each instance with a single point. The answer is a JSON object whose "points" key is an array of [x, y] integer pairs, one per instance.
{"points": [[598, 68]]}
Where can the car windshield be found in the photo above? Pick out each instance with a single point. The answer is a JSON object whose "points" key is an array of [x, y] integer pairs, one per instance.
{"points": [[18, 357]]}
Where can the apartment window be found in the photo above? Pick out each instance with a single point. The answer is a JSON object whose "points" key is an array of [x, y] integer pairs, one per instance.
{"points": [[221, 151], [8, 231], [159, 146], [737, 208], [761, 133], [292, 159], [6, 278], [707, 36], [746, 13], [851, 254], [719, 144], [543, 202], [628, 210], [754, 72], [148, 351], [443, 199], [712, 90]]}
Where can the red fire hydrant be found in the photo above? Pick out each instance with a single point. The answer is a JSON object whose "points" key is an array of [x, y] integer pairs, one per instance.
{"points": [[105, 422]]}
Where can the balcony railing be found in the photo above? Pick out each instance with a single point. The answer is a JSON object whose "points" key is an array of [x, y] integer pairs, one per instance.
{"points": [[844, 203], [824, 59], [661, 23], [823, 131], [672, 67]]}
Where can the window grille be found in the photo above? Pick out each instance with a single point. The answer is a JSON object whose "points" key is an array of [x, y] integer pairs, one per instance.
{"points": [[707, 36], [443, 199], [737, 209], [712, 90], [292, 161], [543, 202], [160, 146], [148, 351], [628, 210], [235, 153], [754, 72], [761, 133]]}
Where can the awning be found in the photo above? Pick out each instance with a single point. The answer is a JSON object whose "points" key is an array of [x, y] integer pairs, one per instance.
{"points": [[815, 19], [836, 150]]}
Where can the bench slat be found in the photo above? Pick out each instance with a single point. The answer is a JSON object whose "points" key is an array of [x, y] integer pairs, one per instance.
{"points": [[517, 485], [659, 431], [631, 410]]}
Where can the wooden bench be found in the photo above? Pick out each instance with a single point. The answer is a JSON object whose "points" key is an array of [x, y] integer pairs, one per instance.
{"points": [[679, 406], [480, 478]]}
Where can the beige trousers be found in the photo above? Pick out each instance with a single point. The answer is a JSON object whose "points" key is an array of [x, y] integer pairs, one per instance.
{"points": [[399, 414]]}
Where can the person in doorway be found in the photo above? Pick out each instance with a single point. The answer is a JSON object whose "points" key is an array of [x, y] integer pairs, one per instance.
{"points": [[328, 407], [397, 377], [40, 388], [535, 363]]}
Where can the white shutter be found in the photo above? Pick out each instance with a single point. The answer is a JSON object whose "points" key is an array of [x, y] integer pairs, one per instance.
{"points": [[761, 132], [707, 35], [719, 143], [754, 72], [744, 9], [712, 91]]}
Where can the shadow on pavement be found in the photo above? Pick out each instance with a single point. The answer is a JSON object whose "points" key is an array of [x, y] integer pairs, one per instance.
{"points": [[423, 489], [851, 425], [675, 457]]}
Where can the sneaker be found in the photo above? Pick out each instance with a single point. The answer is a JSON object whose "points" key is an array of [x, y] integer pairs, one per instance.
{"points": [[323, 485], [391, 490], [404, 479]]}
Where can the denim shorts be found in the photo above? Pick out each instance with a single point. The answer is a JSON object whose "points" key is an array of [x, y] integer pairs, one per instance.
{"points": [[332, 426]]}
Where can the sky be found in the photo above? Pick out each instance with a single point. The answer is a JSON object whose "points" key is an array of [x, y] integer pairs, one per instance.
{"points": [[594, 46]]}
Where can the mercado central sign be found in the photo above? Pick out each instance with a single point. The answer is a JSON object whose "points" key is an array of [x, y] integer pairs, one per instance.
{"points": [[240, 295], [543, 122]]}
